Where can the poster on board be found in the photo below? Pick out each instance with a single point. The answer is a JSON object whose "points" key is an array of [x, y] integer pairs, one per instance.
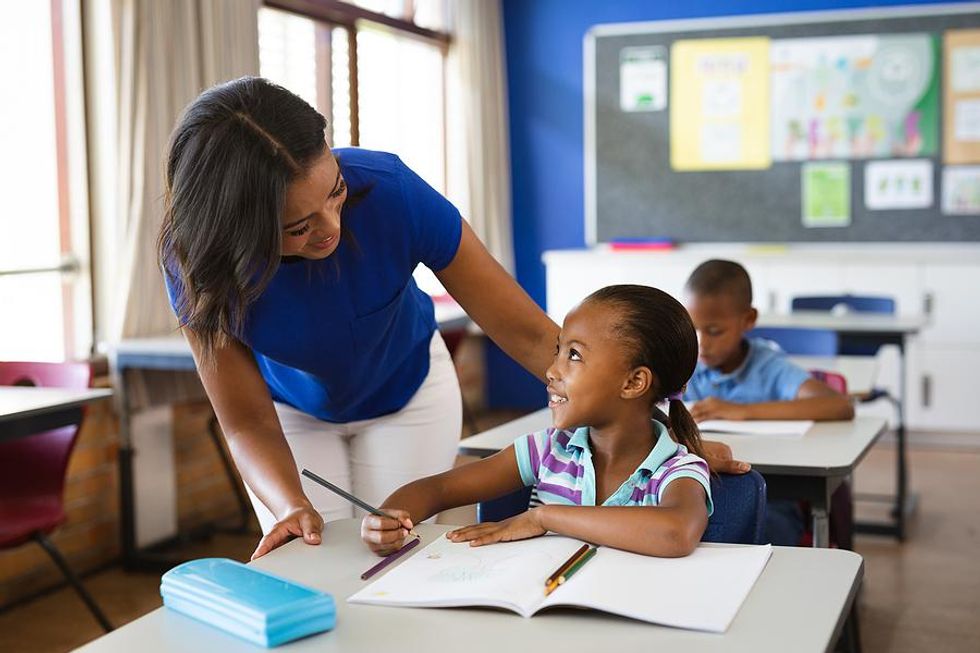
{"points": [[643, 79], [719, 104], [850, 97], [961, 117]]}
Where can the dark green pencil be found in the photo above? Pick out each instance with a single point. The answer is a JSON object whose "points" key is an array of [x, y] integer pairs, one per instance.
{"points": [[578, 565]]}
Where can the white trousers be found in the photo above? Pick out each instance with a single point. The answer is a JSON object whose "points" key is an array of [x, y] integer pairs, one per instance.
{"points": [[374, 457]]}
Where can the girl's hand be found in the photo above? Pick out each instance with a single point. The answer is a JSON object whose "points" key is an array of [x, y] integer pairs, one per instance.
{"points": [[301, 521], [384, 535], [520, 527], [714, 408]]}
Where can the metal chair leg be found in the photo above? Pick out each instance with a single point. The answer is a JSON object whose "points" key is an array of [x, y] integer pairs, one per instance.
{"points": [[244, 507], [52, 550]]}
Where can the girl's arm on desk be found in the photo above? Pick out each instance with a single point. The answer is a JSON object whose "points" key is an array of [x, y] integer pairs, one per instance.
{"points": [[478, 481], [672, 529]]}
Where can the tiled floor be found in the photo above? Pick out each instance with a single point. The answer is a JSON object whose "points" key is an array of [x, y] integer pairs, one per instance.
{"points": [[922, 595]]}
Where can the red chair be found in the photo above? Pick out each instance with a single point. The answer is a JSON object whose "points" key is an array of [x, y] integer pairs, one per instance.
{"points": [[32, 471]]}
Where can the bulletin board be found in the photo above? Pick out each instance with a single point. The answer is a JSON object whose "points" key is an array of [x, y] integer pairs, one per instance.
{"points": [[856, 125]]}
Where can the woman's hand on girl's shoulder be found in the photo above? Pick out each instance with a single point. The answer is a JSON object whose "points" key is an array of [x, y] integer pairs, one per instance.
{"points": [[718, 455], [302, 521], [521, 527]]}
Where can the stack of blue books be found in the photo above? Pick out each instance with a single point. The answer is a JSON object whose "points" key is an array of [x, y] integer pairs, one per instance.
{"points": [[247, 602]]}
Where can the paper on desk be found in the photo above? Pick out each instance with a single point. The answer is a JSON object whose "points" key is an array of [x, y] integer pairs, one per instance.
{"points": [[778, 428]]}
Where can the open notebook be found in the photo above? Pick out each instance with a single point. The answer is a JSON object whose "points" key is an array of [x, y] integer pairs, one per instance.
{"points": [[790, 428], [702, 591]]}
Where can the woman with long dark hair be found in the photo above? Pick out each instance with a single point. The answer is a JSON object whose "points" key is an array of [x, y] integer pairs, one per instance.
{"points": [[289, 266]]}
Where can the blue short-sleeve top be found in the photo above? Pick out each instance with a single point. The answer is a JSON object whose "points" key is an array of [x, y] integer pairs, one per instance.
{"points": [[347, 337], [766, 374]]}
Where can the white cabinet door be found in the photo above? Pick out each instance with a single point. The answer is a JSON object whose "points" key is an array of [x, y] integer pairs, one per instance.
{"points": [[943, 389], [954, 298], [775, 284], [903, 283]]}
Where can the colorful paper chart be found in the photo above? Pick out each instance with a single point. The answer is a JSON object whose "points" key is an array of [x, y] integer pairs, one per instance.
{"points": [[852, 97]]}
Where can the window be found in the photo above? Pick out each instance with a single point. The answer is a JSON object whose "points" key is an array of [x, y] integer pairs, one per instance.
{"points": [[45, 301], [374, 68]]}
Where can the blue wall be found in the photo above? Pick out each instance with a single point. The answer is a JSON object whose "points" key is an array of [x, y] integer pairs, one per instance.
{"points": [[543, 40]]}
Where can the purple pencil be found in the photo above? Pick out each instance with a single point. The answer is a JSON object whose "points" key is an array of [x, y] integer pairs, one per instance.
{"points": [[389, 559]]}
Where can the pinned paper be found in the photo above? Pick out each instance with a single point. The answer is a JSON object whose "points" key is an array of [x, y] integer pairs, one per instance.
{"points": [[965, 69], [961, 190], [966, 120], [898, 184], [826, 194], [643, 79], [719, 95]]}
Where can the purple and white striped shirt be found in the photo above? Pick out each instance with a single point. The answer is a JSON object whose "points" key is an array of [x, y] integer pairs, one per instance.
{"points": [[559, 464]]}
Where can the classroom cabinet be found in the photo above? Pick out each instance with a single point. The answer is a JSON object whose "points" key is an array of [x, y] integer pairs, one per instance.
{"points": [[937, 281], [942, 391]]}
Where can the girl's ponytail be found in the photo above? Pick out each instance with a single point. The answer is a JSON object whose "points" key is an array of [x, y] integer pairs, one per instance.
{"points": [[683, 426]]}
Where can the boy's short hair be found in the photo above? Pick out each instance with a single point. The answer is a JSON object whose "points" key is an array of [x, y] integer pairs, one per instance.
{"points": [[721, 277]]}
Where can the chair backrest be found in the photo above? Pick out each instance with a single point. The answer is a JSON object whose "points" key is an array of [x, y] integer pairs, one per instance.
{"points": [[835, 381], [34, 466], [739, 515], [855, 303], [800, 342]]}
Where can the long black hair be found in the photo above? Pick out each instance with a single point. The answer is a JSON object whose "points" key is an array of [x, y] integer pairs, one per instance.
{"points": [[231, 158], [658, 332]]}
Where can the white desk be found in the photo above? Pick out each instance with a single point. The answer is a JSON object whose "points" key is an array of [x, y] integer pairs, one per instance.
{"points": [[863, 323], [798, 604], [870, 329], [809, 468], [28, 410]]}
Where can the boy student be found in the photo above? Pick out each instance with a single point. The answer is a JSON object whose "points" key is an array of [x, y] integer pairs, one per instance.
{"points": [[739, 378]]}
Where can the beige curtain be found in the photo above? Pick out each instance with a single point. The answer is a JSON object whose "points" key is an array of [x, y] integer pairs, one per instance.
{"points": [[163, 54], [477, 66]]}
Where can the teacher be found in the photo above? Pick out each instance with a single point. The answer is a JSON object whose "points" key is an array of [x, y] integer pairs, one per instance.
{"points": [[289, 266]]}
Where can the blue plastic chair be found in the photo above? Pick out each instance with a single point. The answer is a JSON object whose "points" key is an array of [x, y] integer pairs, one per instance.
{"points": [[856, 303], [800, 342], [851, 303], [739, 516]]}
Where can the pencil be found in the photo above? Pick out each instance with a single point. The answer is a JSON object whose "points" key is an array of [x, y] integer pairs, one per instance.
{"points": [[565, 565], [578, 565], [389, 559], [565, 575], [350, 497]]}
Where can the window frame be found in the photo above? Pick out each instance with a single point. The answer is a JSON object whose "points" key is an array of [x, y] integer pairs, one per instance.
{"points": [[335, 13]]}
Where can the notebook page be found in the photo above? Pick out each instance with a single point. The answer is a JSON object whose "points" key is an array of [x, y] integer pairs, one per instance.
{"points": [[702, 591], [507, 575], [773, 427]]}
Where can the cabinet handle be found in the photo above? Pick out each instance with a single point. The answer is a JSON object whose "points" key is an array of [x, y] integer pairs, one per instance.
{"points": [[772, 301], [926, 390], [928, 302]]}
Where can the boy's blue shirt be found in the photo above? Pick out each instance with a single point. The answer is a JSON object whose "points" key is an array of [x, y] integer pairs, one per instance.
{"points": [[347, 337], [766, 374]]}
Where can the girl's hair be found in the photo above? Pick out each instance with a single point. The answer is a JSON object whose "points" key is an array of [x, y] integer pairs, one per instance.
{"points": [[659, 334], [231, 158]]}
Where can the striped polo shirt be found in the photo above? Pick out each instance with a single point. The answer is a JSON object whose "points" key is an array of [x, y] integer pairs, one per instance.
{"points": [[558, 463]]}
